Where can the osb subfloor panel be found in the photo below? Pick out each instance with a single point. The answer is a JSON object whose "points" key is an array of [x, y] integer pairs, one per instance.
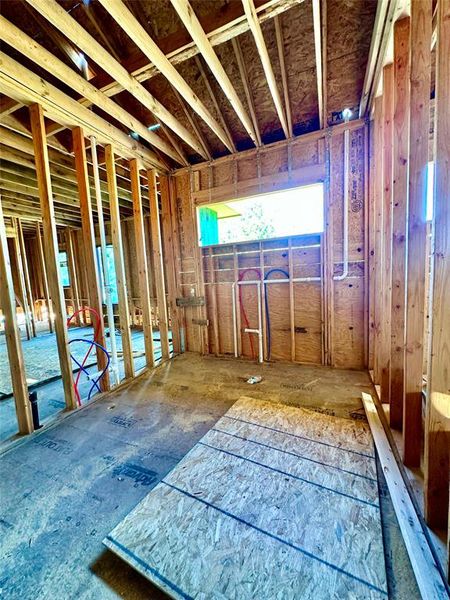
{"points": [[65, 488], [274, 501]]}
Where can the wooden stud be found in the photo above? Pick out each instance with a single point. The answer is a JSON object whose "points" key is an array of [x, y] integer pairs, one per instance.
{"points": [[421, 17], [385, 338], [291, 301], [21, 280], [215, 314], [74, 292], [12, 336], [119, 263], [141, 258], [48, 301], [437, 422], [376, 282], [26, 275], [399, 210], [158, 264], [95, 299], [51, 251], [256, 30], [169, 243]]}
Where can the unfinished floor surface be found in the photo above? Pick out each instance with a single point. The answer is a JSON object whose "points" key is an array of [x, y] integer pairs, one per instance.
{"points": [[274, 499], [99, 462]]}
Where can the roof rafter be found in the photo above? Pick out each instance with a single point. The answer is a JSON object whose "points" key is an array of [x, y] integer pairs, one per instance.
{"points": [[257, 33], [317, 21], [29, 88], [280, 48], [125, 19], [248, 94], [54, 13], [192, 24], [16, 38]]}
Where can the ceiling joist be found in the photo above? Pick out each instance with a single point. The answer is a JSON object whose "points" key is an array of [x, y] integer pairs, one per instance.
{"points": [[54, 13], [257, 33], [192, 24]]}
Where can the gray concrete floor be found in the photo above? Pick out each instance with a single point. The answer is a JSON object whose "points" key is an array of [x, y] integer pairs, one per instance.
{"points": [[63, 489], [43, 372]]}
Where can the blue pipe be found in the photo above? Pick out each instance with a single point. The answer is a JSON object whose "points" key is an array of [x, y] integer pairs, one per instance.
{"points": [[266, 302], [85, 371]]}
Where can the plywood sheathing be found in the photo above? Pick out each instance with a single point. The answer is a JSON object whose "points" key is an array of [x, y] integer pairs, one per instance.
{"points": [[256, 172], [349, 27]]}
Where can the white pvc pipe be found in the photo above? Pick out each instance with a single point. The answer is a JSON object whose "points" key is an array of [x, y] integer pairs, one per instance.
{"points": [[258, 331], [344, 273], [106, 281]]}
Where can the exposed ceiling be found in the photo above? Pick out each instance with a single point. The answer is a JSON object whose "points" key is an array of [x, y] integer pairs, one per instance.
{"points": [[304, 40]]}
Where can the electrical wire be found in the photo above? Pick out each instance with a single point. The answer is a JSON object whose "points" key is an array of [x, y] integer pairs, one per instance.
{"points": [[241, 304], [266, 303]]}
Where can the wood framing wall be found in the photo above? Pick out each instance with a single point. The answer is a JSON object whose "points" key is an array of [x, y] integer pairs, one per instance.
{"points": [[330, 313], [410, 258]]}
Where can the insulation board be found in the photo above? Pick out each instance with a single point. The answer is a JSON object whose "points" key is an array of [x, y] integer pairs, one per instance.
{"points": [[275, 501]]}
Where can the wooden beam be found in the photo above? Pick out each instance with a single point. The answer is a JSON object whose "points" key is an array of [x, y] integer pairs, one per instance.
{"points": [[119, 263], [125, 18], [200, 67], [284, 79], [376, 282], [193, 124], [17, 39], [192, 24], [48, 301], [29, 88], [87, 224], [257, 33], [385, 338], [12, 336], [141, 258], [72, 274], [422, 560], [437, 423], [420, 76], [317, 21], [56, 14], [8, 106], [380, 39], [158, 264], [20, 277], [169, 242], [26, 276], [248, 93], [236, 25], [51, 251], [399, 210]]}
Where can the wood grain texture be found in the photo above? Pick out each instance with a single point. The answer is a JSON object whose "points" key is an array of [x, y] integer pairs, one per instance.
{"points": [[421, 19], [437, 427], [399, 211], [385, 341], [210, 528], [51, 250], [12, 335]]}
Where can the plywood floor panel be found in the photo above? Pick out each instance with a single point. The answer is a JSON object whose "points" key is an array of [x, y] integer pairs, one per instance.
{"points": [[246, 515]]}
